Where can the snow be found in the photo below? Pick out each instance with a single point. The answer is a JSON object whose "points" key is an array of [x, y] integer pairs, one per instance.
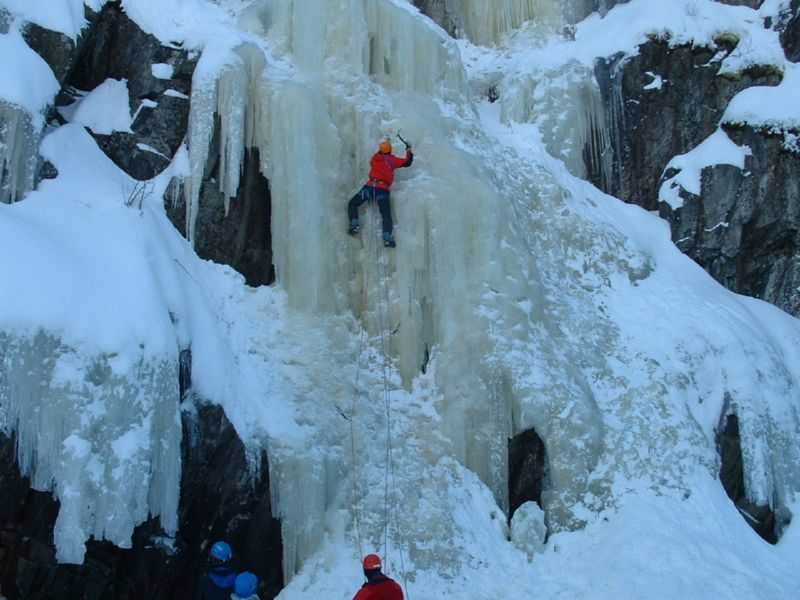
{"points": [[63, 16], [25, 79], [717, 149], [769, 107], [533, 299], [162, 71], [656, 84], [103, 110]]}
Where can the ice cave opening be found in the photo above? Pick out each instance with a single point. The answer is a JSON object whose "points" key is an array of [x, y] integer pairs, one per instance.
{"points": [[527, 470], [761, 517]]}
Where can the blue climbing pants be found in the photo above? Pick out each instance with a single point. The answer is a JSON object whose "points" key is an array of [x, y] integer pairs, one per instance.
{"points": [[369, 193]]}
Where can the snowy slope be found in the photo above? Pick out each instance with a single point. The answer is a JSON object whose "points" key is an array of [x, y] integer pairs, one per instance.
{"points": [[541, 302]]}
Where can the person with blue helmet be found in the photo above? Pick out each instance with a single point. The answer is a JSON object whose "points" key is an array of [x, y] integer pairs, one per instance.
{"points": [[245, 587], [217, 583]]}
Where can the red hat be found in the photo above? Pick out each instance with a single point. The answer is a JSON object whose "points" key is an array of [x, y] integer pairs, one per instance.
{"points": [[371, 562]]}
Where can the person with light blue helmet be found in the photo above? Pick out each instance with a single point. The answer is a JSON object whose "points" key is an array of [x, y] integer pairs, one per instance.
{"points": [[217, 583], [245, 587]]}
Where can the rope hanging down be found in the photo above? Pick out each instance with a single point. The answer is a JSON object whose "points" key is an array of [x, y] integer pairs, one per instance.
{"points": [[385, 347]]}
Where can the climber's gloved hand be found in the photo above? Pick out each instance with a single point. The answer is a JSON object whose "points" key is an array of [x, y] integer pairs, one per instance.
{"points": [[408, 145]]}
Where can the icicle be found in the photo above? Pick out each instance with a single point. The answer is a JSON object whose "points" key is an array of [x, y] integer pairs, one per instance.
{"points": [[485, 22], [102, 432], [406, 57], [201, 129], [567, 107]]}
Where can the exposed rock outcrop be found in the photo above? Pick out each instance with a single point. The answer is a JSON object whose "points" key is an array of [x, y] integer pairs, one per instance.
{"points": [[745, 227], [242, 238], [661, 103], [115, 47], [790, 36]]}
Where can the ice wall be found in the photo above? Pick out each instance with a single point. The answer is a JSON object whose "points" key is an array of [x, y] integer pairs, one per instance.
{"points": [[316, 99], [565, 104]]}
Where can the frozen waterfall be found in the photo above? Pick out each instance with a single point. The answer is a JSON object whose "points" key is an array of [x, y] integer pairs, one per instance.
{"points": [[385, 384], [496, 283]]}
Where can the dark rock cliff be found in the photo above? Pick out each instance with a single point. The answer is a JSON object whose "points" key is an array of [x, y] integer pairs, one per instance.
{"points": [[661, 103], [743, 227], [790, 36]]}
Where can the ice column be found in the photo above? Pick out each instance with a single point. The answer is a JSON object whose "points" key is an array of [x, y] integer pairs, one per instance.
{"points": [[485, 22], [19, 152], [566, 105]]}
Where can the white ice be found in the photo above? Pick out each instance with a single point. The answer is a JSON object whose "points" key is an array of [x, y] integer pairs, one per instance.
{"points": [[532, 299]]}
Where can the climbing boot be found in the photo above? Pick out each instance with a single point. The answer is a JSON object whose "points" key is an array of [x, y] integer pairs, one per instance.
{"points": [[354, 228], [388, 240]]}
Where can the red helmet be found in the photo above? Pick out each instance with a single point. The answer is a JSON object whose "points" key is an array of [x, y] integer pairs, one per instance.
{"points": [[385, 147], [371, 562]]}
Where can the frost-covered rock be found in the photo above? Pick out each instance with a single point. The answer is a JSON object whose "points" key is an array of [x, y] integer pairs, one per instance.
{"points": [[647, 125], [741, 225], [528, 530], [115, 47]]}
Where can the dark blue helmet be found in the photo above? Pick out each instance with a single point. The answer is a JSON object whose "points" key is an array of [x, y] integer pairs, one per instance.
{"points": [[246, 584], [221, 551]]}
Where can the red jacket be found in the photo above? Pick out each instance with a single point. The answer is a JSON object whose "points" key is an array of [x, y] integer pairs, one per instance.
{"points": [[382, 166], [380, 587]]}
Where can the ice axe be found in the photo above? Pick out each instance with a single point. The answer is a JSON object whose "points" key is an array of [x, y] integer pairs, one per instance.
{"points": [[400, 137]]}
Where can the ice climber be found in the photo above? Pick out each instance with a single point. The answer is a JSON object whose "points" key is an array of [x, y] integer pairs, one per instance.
{"points": [[217, 583], [378, 585], [381, 177], [245, 586]]}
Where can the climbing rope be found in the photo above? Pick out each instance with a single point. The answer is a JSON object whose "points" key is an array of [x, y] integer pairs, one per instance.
{"points": [[386, 342], [381, 273], [351, 418]]}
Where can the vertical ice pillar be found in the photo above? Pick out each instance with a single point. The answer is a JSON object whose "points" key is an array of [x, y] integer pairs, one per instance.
{"points": [[485, 22], [566, 105]]}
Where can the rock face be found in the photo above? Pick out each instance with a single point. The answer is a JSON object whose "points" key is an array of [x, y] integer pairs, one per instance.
{"points": [[115, 47], [219, 500], [790, 36], [658, 104], [743, 228], [243, 237]]}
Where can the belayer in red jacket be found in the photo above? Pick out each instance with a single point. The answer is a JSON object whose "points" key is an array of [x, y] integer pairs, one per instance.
{"points": [[378, 585], [381, 177]]}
